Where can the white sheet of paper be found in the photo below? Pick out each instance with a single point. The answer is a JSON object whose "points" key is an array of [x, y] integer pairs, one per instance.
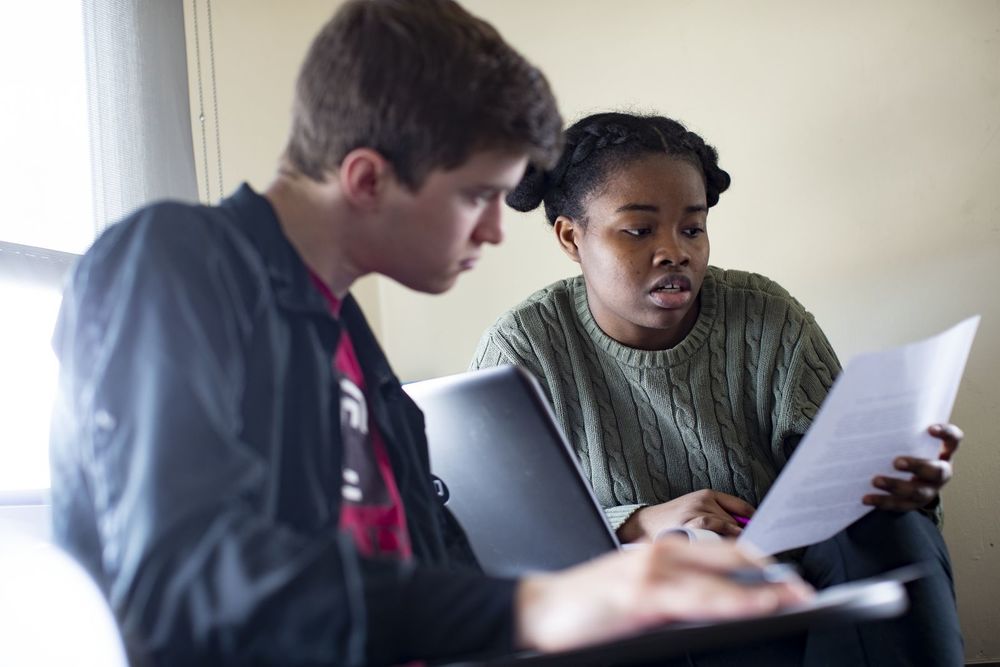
{"points": [[879, 408]]}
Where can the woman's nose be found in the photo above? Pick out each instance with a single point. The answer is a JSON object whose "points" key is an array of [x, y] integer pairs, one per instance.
{"points": [[670, 251]]}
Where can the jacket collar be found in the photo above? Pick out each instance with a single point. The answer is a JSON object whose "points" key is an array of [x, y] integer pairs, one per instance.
{"points": [[287, 272], [292, 284]]}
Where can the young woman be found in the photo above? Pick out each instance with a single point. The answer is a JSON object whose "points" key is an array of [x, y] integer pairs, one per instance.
{"points": [[684, 387]]}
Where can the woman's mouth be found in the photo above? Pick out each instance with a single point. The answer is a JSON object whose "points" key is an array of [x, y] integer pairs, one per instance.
{"points": [[671, 292], [672, 284]]}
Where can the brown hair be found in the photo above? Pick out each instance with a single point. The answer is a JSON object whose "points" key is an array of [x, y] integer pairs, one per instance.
{"points": [[424, 83]]}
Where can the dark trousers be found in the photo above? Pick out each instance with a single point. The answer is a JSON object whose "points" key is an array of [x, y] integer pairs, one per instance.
{"points": [[928, 634]]}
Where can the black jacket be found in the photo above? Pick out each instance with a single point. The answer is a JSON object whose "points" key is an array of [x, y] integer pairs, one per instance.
{"points": [[196, 457]]}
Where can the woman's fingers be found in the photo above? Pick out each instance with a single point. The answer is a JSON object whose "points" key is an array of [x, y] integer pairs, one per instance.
{"points": [[733, 505], [928, 475], [903, 495], [933, 472], [951, 437], [726, 525]]}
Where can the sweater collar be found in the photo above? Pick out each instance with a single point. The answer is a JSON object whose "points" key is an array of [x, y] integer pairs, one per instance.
{"points": [[637, 358]]}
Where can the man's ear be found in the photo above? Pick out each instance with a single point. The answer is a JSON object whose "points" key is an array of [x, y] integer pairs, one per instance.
{"points": [[567, 233], [364, 175]]}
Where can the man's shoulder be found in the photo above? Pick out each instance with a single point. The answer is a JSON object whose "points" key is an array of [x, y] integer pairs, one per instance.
{"points": [[164, 227], [162, 235], [169, 246]]}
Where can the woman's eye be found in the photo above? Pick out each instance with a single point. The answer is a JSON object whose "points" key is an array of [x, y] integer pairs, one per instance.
{"points": [[693, 232], [644, 231]]}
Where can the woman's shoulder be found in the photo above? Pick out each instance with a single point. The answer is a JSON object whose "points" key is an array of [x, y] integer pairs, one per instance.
{"points": [[748, 283], [547, 304], [514, 336], [759, 292]]}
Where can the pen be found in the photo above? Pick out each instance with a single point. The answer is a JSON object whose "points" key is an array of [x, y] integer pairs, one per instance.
{"points": [[742, 520], [769, 574]]}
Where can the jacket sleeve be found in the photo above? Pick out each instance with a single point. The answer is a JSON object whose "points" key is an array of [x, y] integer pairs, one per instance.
{"points": [[152, 340]]}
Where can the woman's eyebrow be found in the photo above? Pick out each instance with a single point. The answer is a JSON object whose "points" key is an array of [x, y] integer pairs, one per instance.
{"points": [[652, 208]]}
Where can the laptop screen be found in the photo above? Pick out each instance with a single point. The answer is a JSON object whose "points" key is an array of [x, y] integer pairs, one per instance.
{"points": [[508, 474]]}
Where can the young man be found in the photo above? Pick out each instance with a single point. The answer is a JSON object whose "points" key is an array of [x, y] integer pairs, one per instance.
{"points": [[233, 459]]}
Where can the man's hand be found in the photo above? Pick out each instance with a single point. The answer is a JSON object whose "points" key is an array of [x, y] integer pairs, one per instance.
{"points": [[927, 476], [622, 593], [709, 510]]}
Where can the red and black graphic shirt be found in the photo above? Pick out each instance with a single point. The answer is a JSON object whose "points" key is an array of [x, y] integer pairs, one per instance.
{"points": [[371, 509]]}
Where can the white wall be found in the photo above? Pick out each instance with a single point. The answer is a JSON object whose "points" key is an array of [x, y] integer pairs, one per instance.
{"points": [[862, 141]]}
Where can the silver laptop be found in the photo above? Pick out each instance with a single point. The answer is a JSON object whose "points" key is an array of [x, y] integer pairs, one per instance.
{"points": [[508, 475], [513, 482]]}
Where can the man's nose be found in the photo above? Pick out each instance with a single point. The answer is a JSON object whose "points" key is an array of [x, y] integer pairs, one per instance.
{"points": [[490, 227]]}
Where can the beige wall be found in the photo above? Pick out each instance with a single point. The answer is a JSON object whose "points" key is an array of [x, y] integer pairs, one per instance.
{"points": [[241, 98], [862, 140]]}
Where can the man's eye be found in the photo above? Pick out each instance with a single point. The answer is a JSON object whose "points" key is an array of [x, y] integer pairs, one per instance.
{"points": [[644, 231], [694, 232], [483, 196]]}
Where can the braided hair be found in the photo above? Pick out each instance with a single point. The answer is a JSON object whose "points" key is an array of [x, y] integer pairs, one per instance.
{"points": [[601, 144]]}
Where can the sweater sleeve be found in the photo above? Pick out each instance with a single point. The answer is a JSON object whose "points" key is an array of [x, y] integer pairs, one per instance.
{"points": [[812, 368], [619, 514]]}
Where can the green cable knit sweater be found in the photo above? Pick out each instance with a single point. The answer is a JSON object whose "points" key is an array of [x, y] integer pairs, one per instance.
{"points": [[721, 410]]}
